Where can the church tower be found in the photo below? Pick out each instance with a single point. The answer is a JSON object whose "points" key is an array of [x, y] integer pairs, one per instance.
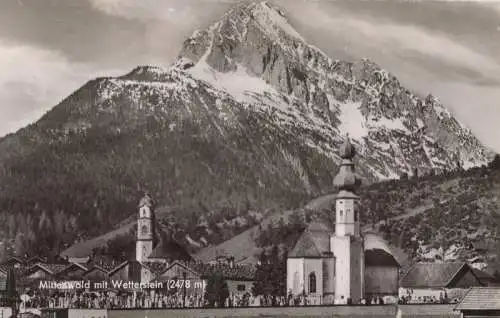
{"points": [[145, 230], [347, 242]]}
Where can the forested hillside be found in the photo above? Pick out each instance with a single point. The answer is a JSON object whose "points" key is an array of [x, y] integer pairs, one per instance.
{"points": [[453, 216]]}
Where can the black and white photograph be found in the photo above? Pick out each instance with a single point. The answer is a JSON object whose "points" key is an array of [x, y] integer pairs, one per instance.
{"points": [[228, 158]]}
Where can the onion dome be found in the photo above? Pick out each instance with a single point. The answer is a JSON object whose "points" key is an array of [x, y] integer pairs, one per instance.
{"points": [[347, 179], [146, 201], [347, 150]]}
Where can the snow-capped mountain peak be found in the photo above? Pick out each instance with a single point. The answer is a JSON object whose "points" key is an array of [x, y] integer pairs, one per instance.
{"points": [[254, 54]]}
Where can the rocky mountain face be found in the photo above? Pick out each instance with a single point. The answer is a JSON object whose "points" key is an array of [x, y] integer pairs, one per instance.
{"points": [[248, 115], [396, 131]]}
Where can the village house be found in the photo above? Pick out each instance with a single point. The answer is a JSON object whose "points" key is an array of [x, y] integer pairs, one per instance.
{"points": [[15, 262], [127, 271], [428, 282], [73, 271], [43, 271], [480, 302], [239, 278], [486, 278]]}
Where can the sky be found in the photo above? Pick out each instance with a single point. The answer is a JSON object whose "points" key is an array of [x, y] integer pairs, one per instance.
{"points": [[49, 48]]}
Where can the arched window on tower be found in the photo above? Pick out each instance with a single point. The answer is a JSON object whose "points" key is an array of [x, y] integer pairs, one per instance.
{"points": [[312, 283], [144, 230]]}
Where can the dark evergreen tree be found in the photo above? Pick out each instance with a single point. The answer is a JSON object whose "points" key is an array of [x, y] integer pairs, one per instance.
{"points": [[260, 275], [272, 286], [11, 294], [281, 283], [216, 291], [495, 163]]}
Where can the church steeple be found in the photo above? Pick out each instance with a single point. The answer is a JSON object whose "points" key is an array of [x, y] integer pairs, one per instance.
{"points": [[347, 242], [346, 216], [145, 229]]}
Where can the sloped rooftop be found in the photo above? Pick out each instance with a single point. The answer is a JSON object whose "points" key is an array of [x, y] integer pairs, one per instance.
{"points": [[431, 275], [485, 298]]}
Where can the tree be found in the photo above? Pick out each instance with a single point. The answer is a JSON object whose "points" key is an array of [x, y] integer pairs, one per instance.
{"points": [[282, 268], [272, 286], [216, 291], [11, 294], [260, 275], [495, 163], [270, 275]]}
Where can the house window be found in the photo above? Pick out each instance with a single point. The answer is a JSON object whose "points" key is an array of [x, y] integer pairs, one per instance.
{"points": [[240, 287], [312, 283], [355, 216], [341, 213]]}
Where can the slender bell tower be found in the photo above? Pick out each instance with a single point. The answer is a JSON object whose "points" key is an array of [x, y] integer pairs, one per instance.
{"points": [[145, 231], [347, 242]]}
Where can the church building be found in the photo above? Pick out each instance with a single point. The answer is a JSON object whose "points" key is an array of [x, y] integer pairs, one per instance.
{"points": [[153, 247], [340, 266]]}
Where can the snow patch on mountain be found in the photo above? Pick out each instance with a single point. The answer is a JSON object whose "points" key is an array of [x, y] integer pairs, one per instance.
{"points": [[352, 121], [238, 83]]}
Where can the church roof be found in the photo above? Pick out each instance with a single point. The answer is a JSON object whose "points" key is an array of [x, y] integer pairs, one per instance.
{"points": [[379, 257], [313, 242], [146, 201], [346, 178], [170, 250]]}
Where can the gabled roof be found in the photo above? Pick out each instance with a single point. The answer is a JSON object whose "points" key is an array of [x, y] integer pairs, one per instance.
{"points": [[48, 268], [36, 259], [236, 272], [431, 275], [477, 298], [134, 269], [13, 259], [483, 276], [185, 265], [119, 266], [96, 268], [71, 265]]}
